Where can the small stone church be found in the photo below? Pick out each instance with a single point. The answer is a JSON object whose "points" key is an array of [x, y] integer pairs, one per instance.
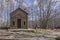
{"points": [[18, 19]]}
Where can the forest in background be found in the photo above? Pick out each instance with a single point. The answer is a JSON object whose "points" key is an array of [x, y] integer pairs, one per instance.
{"points": [[41, 13]]}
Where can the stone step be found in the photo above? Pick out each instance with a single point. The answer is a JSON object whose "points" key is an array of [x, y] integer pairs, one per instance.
{"points": [[6, 35], [30, 39], [9, 39], [23, 30]]}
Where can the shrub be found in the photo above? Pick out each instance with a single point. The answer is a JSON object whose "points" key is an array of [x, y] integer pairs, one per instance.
{"points": [[58, 38]]}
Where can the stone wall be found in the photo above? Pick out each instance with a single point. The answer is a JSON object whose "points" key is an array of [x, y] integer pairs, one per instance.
{"points": [[19, 14]]}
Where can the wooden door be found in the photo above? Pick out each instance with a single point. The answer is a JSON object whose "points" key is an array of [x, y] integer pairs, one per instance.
{"points": [[18, 23]]}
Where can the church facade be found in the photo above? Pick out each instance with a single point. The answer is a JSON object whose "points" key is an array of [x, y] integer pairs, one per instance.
{"points": [[18, 19]]}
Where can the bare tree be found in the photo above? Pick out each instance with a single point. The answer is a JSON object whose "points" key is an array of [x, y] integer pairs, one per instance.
{"points": [[45, 12]]}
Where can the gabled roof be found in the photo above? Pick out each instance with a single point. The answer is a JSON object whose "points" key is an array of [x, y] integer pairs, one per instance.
{"points": [[19, 9]]}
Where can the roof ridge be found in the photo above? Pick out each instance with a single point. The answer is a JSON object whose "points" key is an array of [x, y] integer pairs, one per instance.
{"points": [[20, 9]]}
